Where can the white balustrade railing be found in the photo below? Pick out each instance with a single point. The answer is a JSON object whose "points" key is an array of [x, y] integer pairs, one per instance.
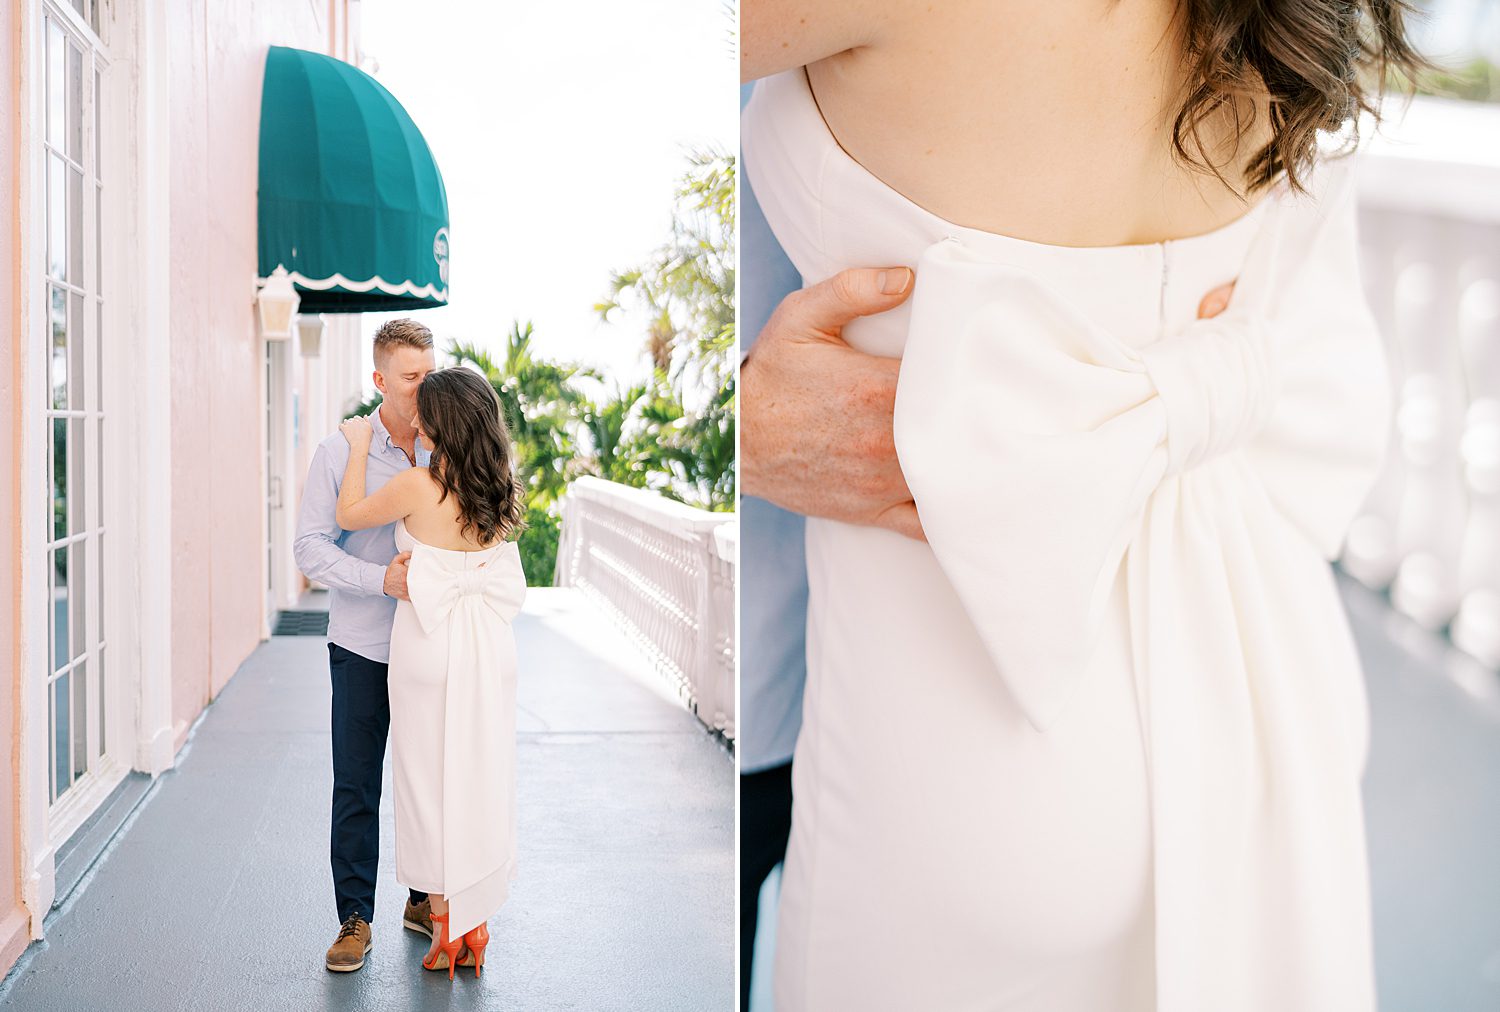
{"points": [[1430, 253], [667, 572]]}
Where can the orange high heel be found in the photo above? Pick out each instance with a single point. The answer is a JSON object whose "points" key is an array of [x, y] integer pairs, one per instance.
{"points": [[445, 956], [476, 940]]}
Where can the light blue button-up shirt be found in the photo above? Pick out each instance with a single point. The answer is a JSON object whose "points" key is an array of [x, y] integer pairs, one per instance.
{"points": [[351, 564], [773, 565]]}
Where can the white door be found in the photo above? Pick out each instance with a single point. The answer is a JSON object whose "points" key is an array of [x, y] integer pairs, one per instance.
{"points": [[273, 493], [281, 572], [80, 717]]}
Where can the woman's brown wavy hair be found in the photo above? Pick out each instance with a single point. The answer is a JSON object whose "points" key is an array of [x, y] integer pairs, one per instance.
{"points": [[1316, 64], [472, 453]]}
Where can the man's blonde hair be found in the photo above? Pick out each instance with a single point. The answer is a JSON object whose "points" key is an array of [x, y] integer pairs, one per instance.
{"points": [[404, 332]]}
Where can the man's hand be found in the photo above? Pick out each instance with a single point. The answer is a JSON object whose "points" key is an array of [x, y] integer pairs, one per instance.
{"points": [[816, 415], [395, 577]]}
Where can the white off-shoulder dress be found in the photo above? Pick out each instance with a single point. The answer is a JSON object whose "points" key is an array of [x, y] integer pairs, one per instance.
{"points": [[452, 682], [1096, 745]]}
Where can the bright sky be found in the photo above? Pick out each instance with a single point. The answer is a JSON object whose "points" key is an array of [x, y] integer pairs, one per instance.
{"points": [[561, 130]]}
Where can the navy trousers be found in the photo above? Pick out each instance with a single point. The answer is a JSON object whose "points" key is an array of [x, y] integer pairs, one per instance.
{"points": [[765, 825], [361, 724]]}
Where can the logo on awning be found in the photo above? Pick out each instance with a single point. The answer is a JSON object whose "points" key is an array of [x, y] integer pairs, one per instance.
{"points": [[440, 253]]}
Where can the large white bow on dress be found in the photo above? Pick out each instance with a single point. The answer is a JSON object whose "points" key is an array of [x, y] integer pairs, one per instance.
{"points": [[435, 590], [1220, 467], [479, 594]]}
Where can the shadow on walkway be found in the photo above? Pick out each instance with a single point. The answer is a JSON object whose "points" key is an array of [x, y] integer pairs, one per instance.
{"points": [[217, 894]]}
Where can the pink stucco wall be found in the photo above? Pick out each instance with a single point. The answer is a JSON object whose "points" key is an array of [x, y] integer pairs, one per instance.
{"points": [[219, 49], [13, 919]]}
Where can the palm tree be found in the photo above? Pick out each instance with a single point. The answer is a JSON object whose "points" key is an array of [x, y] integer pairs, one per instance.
{"points": [[616, 457], [686, 290], [541, 407]]}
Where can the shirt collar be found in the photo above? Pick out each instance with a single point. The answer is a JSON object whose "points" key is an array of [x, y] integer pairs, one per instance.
{"points": [[378, 425]]}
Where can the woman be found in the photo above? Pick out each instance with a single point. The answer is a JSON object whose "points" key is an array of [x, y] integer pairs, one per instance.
{"points": [[1096, 744], [453, 656]]}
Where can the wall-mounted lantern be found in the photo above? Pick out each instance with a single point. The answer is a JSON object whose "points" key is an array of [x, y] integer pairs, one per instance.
{"points": [[277, 303], [310, 334]]}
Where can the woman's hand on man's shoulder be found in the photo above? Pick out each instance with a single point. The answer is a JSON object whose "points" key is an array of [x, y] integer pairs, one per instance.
{"points": [[358, 432]]}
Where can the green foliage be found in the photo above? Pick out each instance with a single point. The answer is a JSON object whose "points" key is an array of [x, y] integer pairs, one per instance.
{"points": [[683, 431], [364, 407], [619, 455], [538, 545], [59, 491], [1477, 80], [541, 407]]}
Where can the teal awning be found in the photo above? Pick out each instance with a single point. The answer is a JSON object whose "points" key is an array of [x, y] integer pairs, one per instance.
{"points": [[351, 202]]}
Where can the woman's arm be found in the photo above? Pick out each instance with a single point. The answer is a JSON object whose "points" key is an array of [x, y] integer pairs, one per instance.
{"points": [[396, 498], [318, 552], [777, 35]]}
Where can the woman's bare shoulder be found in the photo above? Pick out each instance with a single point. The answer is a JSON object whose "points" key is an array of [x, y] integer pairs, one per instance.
{"points": [[416, 486], [423, 479]]}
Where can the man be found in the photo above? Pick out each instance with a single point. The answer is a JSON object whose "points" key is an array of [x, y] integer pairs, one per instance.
{"points": [[365, 577]]}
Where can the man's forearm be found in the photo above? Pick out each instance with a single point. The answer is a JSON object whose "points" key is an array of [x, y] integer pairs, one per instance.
{"points": [[321, 559], [316, 548]]}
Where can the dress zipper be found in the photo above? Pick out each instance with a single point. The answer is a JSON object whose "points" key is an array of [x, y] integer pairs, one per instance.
{"points": [[1161, 298]]}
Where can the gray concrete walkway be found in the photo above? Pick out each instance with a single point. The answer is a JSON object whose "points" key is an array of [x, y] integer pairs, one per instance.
{"points": [[1432, 809], [217, 894]]}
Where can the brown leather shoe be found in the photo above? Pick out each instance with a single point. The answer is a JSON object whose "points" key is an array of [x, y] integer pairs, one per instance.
{"points": [[418, 916], [348, 950]]}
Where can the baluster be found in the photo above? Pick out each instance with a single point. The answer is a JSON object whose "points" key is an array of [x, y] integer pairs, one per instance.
{"points": [[1476, 628], [1429, 421], [1369, 553]]}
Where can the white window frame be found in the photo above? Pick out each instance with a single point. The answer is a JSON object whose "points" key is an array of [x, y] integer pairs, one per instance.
{"points": [[73, 804], [136, 147]]}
